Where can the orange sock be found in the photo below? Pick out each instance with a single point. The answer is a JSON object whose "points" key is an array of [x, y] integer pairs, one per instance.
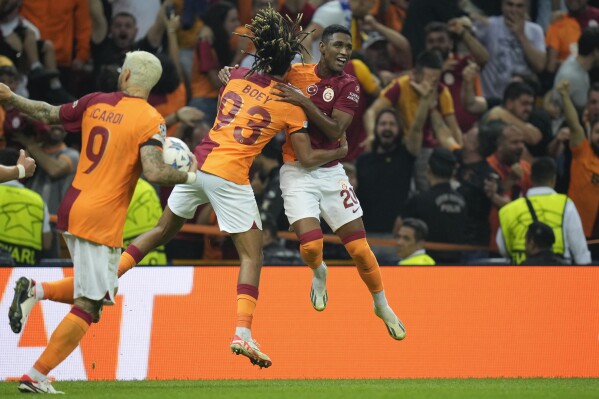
{"points": [[247, 297], [311, 244], [60, 290], [131, 257], [64, 340], [365, 261]]}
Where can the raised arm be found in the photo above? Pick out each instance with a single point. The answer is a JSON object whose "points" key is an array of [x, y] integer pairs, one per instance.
{"points": [[370, 118], [576, 129], [309, 157], [99, 23], [39, 110], [470, 101]]}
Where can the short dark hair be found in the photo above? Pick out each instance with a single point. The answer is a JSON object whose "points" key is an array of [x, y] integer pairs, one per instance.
{"points": [[420, 228], [331, 30], [442, 163], [436, 26], [9, 157], [429, 59], [489, 134], [542, 171], [514, 90], [588, 41], [541, 234]]}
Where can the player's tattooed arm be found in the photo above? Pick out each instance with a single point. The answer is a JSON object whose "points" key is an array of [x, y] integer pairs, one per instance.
{"points": [[157, 172], [39, 110]]}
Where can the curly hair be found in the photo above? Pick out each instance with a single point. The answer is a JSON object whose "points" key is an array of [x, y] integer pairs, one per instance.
{"points": [[277, 41]]}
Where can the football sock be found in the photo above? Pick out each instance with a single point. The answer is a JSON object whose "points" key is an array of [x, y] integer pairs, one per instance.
{"points": [[64, 340], [38, 291], [131, 257], [319, 278], [380, 300], [247, 297], [36, 375], [311, 244], [59, 291], [368, 267]]}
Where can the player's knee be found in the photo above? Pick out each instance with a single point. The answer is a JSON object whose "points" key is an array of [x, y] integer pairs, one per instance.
{"points": [[311, 251], [91, 307]]}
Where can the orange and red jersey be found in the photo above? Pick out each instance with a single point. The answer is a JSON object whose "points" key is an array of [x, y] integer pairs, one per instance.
{"points": [[584, 187], [341, 92], [248, 118], [113, 126]]}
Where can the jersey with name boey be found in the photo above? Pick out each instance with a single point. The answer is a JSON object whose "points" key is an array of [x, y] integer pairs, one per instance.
{"points": [[113, 127], [341, 92], [248, 118]]}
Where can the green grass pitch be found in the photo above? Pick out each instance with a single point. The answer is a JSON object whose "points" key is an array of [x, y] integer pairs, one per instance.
{"points": [[328, 389]]}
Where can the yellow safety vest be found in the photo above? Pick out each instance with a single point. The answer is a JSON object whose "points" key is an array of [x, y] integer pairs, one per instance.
{"points": [[21, 221], [143, 214], [420, 259], [515, 217]]}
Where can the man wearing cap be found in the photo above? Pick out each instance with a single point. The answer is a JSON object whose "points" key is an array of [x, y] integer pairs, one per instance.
{"points": [[442, 208], [539, 242], [542, 204]]}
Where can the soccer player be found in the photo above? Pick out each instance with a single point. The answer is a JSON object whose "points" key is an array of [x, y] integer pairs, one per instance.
{"points": [[121, 135], [248, 118], [329, 96]]}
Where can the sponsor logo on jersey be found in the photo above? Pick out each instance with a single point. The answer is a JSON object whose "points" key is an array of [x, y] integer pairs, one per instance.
{"points": [[354, 97], [328, 94], [312, 90]]}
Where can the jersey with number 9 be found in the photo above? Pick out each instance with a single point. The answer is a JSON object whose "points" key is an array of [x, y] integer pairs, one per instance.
{"points": [[113, 127], [248, 118]]}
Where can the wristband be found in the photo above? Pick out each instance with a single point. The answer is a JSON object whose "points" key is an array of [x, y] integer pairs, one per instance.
{"points": [[191, 177], [21, 169]]}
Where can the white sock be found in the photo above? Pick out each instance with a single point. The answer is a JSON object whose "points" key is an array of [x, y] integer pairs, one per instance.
{"points": [[319, 278], [380, 300], [243, 333], [36, 375], [38, 291]]}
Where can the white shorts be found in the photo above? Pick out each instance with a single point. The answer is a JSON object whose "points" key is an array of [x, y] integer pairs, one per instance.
{"points": [[234, 204], [310, 193], [95, 268]]}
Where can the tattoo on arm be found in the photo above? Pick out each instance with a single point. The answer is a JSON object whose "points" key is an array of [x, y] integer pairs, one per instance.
{"points": [[39, 110], [156, 171]]}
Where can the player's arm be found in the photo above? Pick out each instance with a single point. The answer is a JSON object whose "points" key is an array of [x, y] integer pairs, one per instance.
{"points": [[309, 157], [158, 172], [333, 127], [39, 110]]}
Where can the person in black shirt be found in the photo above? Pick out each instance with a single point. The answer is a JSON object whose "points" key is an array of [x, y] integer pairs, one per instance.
{"points": [[442, 208], [539, 243]]}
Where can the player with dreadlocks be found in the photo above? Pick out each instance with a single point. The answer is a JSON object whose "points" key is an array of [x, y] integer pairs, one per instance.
{"points": [[248, 118]]}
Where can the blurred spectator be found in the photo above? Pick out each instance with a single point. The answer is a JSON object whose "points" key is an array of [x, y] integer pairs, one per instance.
{"points": [[584, 175], [471, 99], [410, 243], [110, 44], [438, 37], [514, 45], [516, 108], [142, 215], [145, 12], [405, 93], [384, 174], [420, 13], [213, 51], [442, 208], [57, 165], [576, 68], [273, 251], [539, 241], [512, 178], [24, 218], [542, 204]]}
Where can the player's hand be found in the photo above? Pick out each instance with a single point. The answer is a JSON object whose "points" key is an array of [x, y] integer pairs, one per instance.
{"points": [[27, 162], [194, 164], [190, 116], [288, 94], [225, 74], [5, 92]]}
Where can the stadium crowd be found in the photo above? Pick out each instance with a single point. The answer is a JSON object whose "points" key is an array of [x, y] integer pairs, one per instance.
{"points": [[477, 120]]}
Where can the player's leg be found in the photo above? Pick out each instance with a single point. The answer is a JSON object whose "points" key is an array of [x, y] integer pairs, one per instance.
{"points": [[28, 291], [302, 207], [96, 282], [237, 214]]}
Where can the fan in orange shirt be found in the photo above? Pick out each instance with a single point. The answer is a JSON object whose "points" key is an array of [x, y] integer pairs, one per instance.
{"points": [[121, 135]]}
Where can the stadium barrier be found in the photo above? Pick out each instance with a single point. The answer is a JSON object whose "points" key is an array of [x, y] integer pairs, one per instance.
{"points": [[177, 322]]}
